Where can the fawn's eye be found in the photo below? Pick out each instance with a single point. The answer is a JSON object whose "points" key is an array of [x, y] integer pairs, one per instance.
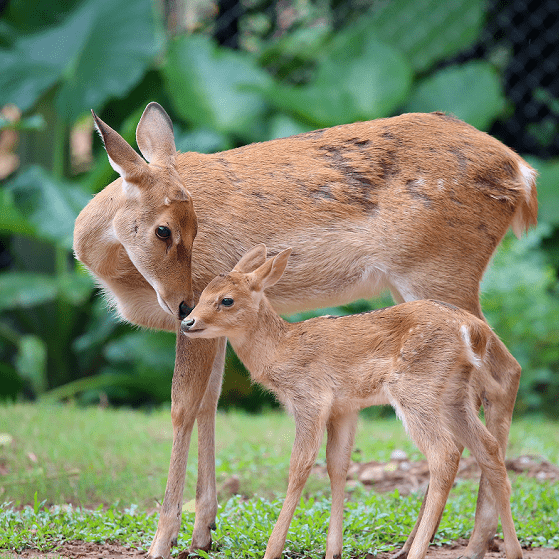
{"points": [[227, 302], [163, 232]]}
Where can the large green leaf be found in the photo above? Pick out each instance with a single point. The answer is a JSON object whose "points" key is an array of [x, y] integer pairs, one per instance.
{"points": [[359, 78], [49, 206], [118, 50], [29, 289], [99, 51], [471, 91], [213, 86], [425, 32], [21, 290]]}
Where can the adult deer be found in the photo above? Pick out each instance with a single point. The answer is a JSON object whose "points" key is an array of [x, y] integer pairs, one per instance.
{"points": [[416, 204], [429, 360]]}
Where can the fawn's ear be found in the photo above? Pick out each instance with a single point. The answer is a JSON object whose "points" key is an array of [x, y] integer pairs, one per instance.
{"points": [[122, 157], [154, 135], [271, 271], [254, 258]]}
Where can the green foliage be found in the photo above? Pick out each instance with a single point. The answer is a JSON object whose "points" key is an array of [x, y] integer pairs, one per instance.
{"points": [[426, 35], [457, 90], [521, 302], [216, 85], [61, 58], [359, 78], [89, 60]]}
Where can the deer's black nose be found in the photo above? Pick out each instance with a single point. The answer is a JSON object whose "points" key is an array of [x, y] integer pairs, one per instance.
{"points": [[184, 310], [187, 324]]}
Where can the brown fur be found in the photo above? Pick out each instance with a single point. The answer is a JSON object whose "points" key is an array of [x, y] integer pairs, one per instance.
{"points": [[415, 203], [427, 360]]}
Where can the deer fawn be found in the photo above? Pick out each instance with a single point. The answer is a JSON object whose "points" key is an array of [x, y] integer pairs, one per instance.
{"points": [[416, 204], [429, 360]]}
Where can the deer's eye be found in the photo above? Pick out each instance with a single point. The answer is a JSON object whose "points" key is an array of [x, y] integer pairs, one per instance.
{"points": [[227, 302], [163, 232]]}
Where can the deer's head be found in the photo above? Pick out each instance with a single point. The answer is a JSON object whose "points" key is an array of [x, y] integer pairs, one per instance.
{"points": [[230, 303], [156, 225]]}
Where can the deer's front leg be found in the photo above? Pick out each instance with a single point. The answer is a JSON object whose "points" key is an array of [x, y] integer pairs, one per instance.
{"points": [[308, 437], [206, 495], [193, 366], [341, 434]]}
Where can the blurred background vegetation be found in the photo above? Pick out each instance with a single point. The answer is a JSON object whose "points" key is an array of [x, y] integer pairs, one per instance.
{"points": [[230, 72]]}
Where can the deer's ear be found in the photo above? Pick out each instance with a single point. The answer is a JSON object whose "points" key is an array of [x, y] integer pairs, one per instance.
{"points": [[122, 157], [251, 260], [271, 271], [155, 137]]}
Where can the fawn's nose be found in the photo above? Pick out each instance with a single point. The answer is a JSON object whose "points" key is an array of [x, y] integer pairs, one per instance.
{"points": [[184, 310], [187, 324]]}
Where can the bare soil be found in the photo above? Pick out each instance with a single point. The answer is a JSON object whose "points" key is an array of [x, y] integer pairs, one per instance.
{"points": [[86, 550], [399, 473], [407, 476]]}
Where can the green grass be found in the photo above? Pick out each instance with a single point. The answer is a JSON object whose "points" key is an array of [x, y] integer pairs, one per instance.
{"points": [[111, 465]]}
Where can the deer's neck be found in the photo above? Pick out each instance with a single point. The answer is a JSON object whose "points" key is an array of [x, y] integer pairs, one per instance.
{"points": [[259, 345]]}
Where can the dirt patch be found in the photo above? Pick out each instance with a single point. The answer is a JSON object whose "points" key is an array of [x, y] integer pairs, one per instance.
{"points": [[86, 550], [407, 476]]}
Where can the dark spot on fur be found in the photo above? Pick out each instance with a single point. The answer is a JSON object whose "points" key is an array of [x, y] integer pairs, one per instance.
{"points": [[491, 184], [509, 169], [135, 228], [461, 159], [414, 187], [387, 134], [322, 192], [389, 165], [360, 189]]}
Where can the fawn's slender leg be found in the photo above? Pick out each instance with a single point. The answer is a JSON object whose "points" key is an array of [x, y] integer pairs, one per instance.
{"points": [[498, 408], [308, 437], [443, 462], [341, 434], [206, 494], [486, 450], [193, 366], [403, 553]]}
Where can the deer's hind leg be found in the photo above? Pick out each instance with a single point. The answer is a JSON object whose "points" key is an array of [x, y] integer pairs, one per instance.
{"points": [[443, 460], [498, 404], [487, 451], [403, 553]]}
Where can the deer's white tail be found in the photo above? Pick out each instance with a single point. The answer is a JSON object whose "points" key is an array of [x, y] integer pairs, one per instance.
{"points": [[475, 340], [527, 213]]}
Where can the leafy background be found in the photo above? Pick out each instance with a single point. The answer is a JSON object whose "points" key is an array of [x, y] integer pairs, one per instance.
{"points": [[287, 67]]}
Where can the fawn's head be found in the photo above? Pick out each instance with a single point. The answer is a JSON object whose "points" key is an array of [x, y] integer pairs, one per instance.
{"points": [[156, 224], [230, 303]]}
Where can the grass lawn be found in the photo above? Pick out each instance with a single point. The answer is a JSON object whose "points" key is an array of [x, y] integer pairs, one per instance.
{"points": [[114, 463]]}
